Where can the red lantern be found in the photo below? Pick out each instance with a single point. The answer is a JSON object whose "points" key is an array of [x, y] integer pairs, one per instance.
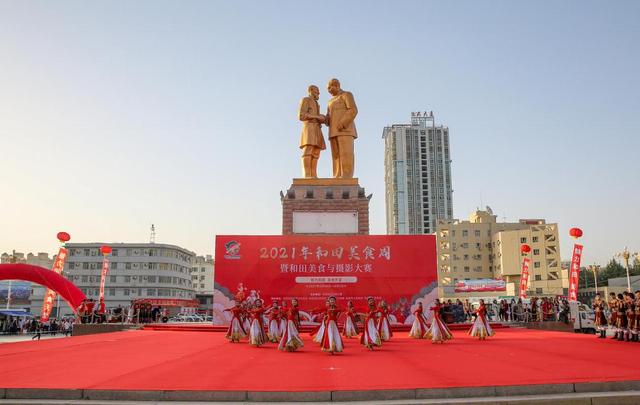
{"points": [[63, 237], [525, 249], [575, 233], [105, 250]]}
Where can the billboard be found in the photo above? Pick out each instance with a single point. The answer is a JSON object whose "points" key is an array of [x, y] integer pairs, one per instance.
{"points": [[400, 269], [480, 285]]}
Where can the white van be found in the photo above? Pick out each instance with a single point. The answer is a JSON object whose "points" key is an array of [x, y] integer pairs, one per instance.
{"points": [[583, 317]]}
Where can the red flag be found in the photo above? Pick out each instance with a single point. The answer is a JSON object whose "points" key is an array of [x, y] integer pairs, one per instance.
{"points": [[574, 272], [524, 277], [50, 295], [103, 279]]}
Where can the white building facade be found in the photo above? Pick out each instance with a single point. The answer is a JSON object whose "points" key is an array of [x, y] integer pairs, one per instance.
{"points": [[137, 271]]}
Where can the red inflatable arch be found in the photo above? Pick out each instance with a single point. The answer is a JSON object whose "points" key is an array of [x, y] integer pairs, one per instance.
{"points": [[39, 275]]}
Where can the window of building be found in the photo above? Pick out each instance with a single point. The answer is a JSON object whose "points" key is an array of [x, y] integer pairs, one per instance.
{"points": [[535, 239], [523, 240], [127, 266], [465, 233], [466, 257], [476, 233], [538, 290], [85, 279], [536, 252], [536, 265], [466, 269], [114, 252], [538, 277], [114, 266], [85, 266], [151, 279], [127, 279], [112, 292], [87, 252], [112, 279], [126, 291], [151, 292]]}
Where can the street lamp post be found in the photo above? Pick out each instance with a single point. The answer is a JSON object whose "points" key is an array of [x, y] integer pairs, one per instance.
{"points": [[595, 268], [626, 255]]}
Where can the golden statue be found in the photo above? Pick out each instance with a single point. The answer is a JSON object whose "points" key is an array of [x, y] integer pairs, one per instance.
{"points": [[341, 111], [311, 140]]}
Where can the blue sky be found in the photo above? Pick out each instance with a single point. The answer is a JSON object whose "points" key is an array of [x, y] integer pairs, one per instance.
{"points": [[114, 115]]}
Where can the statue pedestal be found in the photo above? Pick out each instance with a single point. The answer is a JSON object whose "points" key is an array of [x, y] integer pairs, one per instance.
{"points": [[325, 207]]}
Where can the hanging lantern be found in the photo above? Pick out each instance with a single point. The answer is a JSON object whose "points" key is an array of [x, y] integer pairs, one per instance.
{"points": [[575, 233], [106, 250], [525, 249], [63, 237]]}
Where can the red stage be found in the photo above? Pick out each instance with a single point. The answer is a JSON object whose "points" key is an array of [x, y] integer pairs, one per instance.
{"points": [[171, 360]]}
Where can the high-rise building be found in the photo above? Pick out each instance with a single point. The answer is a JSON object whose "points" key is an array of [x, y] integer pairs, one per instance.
{"points": [[417, 168], [158, 272], [482, 249]]}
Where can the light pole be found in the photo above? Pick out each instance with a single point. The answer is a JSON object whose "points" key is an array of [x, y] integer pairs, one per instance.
{"points": [[626, 255], [595, 268]]}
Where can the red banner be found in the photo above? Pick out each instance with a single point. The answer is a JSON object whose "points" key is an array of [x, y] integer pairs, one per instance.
{"points": [[397, 268], [50, 295], [103, 280], [524, 277], [574, 272]]}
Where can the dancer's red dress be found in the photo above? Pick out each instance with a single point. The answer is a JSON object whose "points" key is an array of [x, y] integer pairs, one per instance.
{"points": [[291, 340], [481, 328], [257, 337], [236, 330], [331, 340], [370, 336], [350, 328], [419, 327]]}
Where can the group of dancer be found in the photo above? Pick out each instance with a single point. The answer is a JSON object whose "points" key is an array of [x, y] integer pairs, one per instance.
{"points": [[283, 325], [624, 318], [438, 331]]}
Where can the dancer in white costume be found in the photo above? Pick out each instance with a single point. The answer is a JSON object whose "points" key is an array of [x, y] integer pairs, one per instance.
{"points": [[350, 328], [291, 340], [419, 327], [331, 340], [236, 330], [438, 332], [274, 331], [257, 337], [384, 326], [481, 328], [370, 337]]}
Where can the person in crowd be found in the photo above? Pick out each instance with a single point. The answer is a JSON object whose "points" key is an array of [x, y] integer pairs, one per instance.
{"points": [[600, 320], [613, 309], [481, 328], [467, 310], [621, 317], [331, 340], [438, 332], [419, 327], [291, 340], [630, 315], [370, 337], [38, 333], [350, 328]]}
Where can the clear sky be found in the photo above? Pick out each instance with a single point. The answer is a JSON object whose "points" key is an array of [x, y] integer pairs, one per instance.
{"points": [[117, 115]]}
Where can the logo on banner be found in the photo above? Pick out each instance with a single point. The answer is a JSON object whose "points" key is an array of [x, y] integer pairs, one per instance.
{"points": [[232, 249]]}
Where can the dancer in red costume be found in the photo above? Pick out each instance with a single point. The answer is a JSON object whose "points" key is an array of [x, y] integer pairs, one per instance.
{"points": [[438, 332], [370, 337], [291, 340], [257, 337], [350, 328], [419, 327], [236, 330], [384, 326], [481, 328], [274, 332], [331, 340]]}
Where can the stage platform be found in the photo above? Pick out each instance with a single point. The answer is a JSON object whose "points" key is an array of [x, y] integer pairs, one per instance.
{"points": [[175, 365]]}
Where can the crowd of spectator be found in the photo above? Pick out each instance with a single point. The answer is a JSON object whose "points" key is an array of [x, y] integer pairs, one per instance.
{"points": [[22, 325], [533, 310]]}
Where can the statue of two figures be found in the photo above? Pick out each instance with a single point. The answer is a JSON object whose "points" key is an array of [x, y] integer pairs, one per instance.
{"points": [[341, 112]]}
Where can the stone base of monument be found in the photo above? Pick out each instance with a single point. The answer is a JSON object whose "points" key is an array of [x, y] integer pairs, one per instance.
{"points": [[325, 207]]}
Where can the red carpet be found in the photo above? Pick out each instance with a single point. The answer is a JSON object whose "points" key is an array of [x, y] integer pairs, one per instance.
{"points": [[167, 360]]}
